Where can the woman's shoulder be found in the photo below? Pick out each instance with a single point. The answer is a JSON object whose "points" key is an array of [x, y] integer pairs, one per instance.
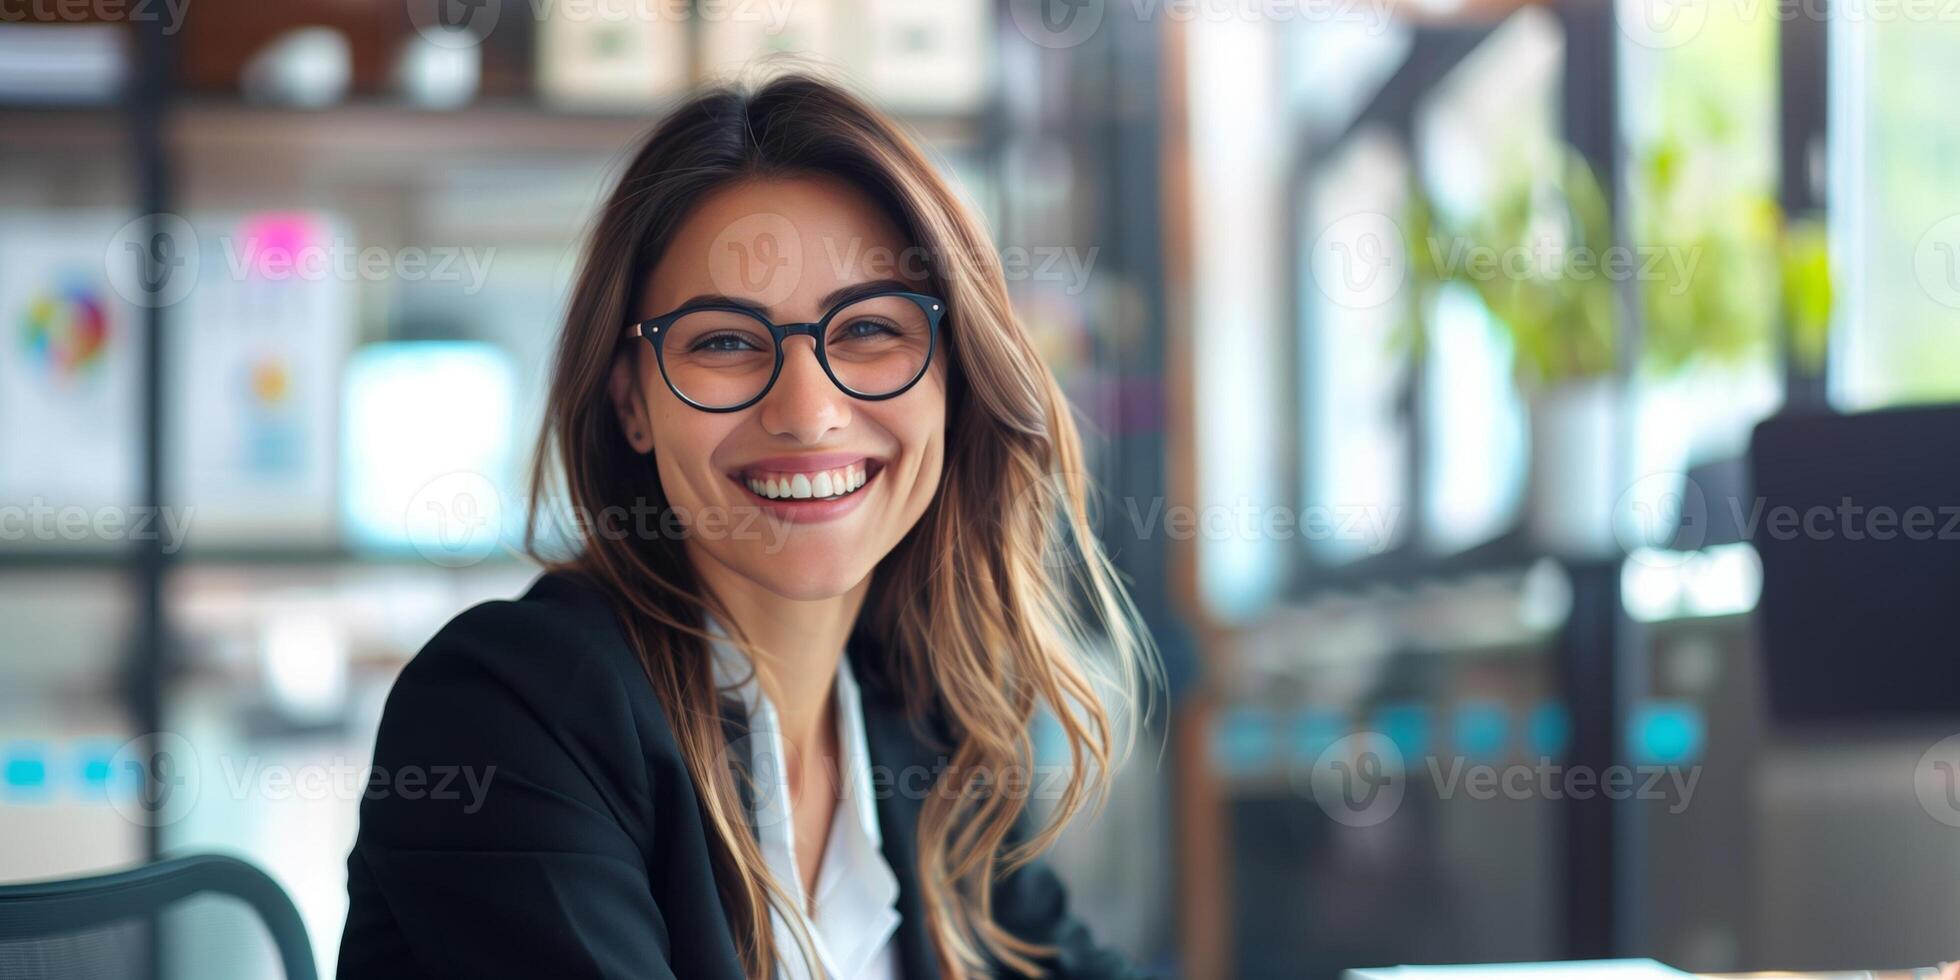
{"points": [[561, 632], [563, 604], [555, 661], [523, 725]]}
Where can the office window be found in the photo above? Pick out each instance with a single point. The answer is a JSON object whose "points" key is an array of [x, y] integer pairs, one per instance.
{"points": [[1352, 296], [1335, 66], [1237, 264], [1473, 484], [1491, 120], [1895, 207], [1698, 118]]}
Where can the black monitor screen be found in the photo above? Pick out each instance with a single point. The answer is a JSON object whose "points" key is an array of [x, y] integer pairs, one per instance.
{"points": [[1857, 519]]}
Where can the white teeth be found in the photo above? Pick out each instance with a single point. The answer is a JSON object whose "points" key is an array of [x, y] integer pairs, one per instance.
{"points": [[824, 484]]}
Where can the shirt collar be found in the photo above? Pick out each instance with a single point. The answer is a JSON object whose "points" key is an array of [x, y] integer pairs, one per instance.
{"points": [[736, 675]]}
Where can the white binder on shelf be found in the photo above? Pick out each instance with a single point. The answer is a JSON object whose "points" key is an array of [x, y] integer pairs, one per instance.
{"points": [[611, 62], [927, 56]]}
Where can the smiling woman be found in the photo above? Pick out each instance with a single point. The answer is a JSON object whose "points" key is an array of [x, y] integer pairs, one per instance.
{"points": [[683, 727], [851, 385]]}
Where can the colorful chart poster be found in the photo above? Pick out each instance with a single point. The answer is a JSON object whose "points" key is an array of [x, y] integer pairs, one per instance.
{"points": [[257, 349], [69, 357]]}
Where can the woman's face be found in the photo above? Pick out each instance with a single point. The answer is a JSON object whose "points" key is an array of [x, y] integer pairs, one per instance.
{"points": [[786, 247]]}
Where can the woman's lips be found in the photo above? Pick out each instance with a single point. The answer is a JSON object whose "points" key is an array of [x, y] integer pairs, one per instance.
{"points": [[800, 483]]}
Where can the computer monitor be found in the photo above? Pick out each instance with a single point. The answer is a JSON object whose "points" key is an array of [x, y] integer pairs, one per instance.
{"points": [[1857, 520]]}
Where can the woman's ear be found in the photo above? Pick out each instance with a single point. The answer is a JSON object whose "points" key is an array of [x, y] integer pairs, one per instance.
{"points": [[624, 387]]}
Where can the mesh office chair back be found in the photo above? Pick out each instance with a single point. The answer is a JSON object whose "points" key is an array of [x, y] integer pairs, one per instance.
{"points": [[200, 916]]}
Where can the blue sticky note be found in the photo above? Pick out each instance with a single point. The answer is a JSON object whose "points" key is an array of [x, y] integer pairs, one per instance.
{"points": [[24, 769], [1313, 730], [1665, 733], [1548, 729], [1405, 723], [89, 763], [1482, 730]]}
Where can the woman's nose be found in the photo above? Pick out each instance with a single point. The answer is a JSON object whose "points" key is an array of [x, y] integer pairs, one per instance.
{"points": [[804, 403]]}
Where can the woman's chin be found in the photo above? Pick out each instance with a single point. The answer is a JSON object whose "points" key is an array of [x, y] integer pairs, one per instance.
{"points": [[804, 580]]}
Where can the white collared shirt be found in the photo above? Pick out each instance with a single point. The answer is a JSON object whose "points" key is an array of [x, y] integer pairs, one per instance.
{"points": [[854, 921]]}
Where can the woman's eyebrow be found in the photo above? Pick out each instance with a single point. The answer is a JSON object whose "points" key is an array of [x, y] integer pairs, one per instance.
{"points": [[842, 294], [845, 294], [719, 299]]}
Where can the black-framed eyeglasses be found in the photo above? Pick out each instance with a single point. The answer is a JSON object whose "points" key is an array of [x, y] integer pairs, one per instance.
{"points": [[721, 357]]}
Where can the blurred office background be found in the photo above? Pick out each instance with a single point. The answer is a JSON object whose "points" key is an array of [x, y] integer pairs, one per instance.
{"points": [[1402, 487]]}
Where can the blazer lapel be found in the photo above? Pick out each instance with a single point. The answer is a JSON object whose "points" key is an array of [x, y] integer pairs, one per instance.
{"points": [[901, 766]]}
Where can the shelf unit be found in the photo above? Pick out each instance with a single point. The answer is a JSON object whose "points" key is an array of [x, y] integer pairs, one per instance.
{"points": [[1599, 657], [180, 151]]}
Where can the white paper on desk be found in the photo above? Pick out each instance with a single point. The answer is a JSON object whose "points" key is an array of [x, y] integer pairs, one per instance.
{"points": [[1582, 970]]}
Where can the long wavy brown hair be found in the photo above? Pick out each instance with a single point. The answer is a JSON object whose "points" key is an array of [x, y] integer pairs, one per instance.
{"points": [[998, 604]]}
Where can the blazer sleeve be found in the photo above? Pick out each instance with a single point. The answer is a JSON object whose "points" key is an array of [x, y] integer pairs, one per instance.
{"points": [[524, 867], [1033, 904]]}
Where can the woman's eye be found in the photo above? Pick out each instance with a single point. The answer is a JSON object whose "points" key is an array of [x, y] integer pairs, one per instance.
{"points": [[857, 329], [726, 343]]}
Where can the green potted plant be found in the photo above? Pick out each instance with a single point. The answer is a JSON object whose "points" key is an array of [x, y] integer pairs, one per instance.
{"points": [[1737, 278], [1533, 257], [1716, 275]]}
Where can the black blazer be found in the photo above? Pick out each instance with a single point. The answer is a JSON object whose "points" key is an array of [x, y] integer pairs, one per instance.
{"points": [[584, 853]]}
